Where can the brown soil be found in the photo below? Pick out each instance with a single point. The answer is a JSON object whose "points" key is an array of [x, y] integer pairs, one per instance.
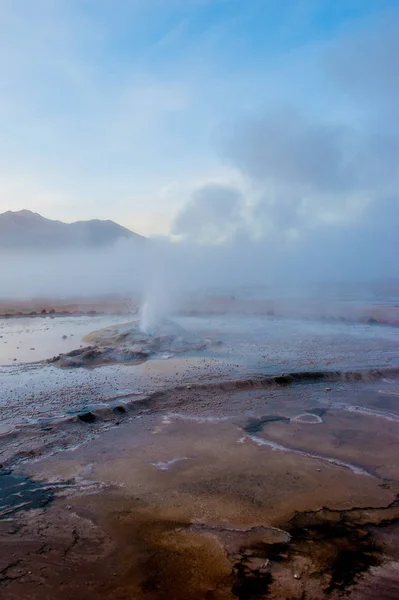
{"points": [[53, 306], [179, 507], [373, 314]]}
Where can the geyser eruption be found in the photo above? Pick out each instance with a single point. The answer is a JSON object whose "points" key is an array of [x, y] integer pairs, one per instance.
{"points": [[156, 307], [150, 316]]}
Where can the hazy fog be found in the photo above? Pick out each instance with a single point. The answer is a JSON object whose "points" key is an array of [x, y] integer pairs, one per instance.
{"points": [[318, 198]]}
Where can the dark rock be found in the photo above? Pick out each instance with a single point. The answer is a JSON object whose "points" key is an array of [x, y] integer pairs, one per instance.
{"points": [[134, 355], [119, 410], [78, 351], [309, 375], [283, 380], [87, 417], [91, 354]]}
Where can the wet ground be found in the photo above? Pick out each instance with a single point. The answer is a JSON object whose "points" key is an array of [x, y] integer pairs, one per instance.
{"points": [[28, 340], [207, 476], [219, 494], [250, 346]]}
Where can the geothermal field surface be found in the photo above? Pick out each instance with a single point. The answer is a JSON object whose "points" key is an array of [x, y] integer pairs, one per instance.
{"points": [[218, 454]]}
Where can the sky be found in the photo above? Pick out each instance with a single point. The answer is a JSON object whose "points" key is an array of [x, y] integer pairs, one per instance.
{"points": [[208, 121]]}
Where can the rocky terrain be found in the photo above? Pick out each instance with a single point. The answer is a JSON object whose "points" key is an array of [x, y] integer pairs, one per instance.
{"points": [[128, 343]]}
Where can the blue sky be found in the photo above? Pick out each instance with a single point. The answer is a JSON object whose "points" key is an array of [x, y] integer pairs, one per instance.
{"points": [[125, 109]]}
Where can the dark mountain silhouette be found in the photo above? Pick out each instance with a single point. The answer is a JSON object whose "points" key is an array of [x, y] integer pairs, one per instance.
{"points": [[28, 230]]}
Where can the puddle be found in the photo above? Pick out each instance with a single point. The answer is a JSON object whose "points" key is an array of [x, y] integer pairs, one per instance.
{"points": [[22, 493], [32, 340], [257, 425]]}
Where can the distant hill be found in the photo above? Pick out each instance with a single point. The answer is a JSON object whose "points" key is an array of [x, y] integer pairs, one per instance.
{"points": [[25, 230]]}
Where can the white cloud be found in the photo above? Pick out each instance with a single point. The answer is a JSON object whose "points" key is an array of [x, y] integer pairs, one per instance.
{"points": [[213, 214], [323, 188]]}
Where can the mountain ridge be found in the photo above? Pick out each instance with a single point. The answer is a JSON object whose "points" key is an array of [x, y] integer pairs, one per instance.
{"points": [[25, 229]]}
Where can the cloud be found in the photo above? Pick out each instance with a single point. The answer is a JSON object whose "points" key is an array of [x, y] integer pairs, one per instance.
{"points": [[284, 146], [308, 171], [213, 214], [322, 196]]}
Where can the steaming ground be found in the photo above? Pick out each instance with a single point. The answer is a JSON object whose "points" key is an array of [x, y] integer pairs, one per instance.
{"points": [[249, 346], [200, 462]]}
